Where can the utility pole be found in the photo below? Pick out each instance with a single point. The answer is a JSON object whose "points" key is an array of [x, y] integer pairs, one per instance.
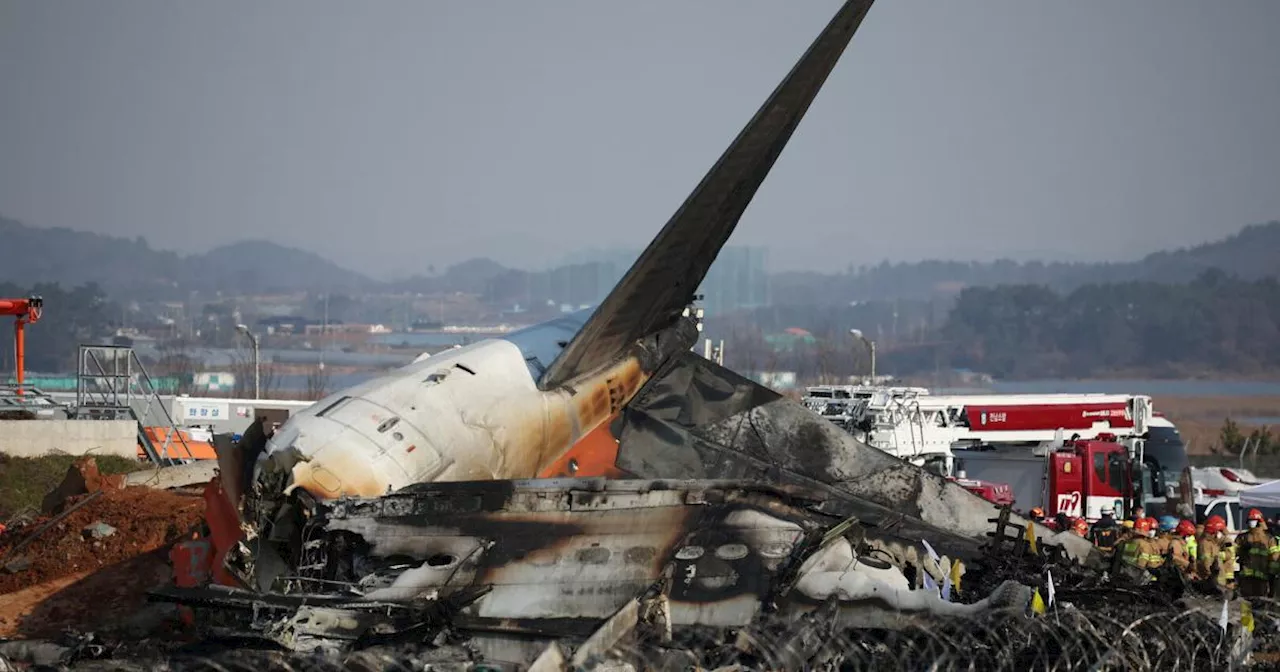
{"points": [[324, 331], [257, 370], [871, 346]]}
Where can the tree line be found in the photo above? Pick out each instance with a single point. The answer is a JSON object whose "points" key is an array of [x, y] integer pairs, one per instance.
{"points": [[71, 316], [1214, 324]]}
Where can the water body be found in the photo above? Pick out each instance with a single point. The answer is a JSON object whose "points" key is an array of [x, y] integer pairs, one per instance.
{"points": [[431, 339], [221, 358], [1169, 388]]}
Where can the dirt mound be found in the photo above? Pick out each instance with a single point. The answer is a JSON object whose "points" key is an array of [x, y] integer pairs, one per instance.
{"points": [[112, 599], [116, 526]]}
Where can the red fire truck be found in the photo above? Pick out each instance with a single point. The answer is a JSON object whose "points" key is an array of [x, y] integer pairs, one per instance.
{"points": [[1015, 430], [1078, 479]]}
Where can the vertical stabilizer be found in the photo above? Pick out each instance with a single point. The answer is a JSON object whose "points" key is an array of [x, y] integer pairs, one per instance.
{"points": [[663, 280]]}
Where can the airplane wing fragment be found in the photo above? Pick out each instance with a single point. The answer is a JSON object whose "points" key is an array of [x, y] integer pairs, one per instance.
{"points": [[662, 282]]}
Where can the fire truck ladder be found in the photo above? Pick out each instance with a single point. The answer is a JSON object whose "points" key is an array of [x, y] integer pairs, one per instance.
{"points": [[112, 384], [905, 410]]}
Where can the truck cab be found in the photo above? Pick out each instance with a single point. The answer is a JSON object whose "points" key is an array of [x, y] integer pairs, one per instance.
{"points": [[1164, 458], [1086, 476]]}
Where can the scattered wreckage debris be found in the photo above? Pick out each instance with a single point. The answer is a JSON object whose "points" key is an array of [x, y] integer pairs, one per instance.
{"points": [[519, 559], [565, 574]]}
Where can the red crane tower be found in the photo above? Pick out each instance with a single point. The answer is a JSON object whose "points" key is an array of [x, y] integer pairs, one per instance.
{"points": [[24, 311]]}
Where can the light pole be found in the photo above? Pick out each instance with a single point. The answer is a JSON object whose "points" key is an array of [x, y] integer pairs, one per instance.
{"points": [[871, 346], [257, 378]]}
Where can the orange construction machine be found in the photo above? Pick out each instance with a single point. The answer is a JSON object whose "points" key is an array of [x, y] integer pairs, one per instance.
{"points": [[26, 311]]}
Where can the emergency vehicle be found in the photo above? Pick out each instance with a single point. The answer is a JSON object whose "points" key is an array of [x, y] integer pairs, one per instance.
{"points": [[1078, 479], [1021, 429]]}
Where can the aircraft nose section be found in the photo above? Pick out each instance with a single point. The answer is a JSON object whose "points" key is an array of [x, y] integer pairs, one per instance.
{"points": [[329, 460]]}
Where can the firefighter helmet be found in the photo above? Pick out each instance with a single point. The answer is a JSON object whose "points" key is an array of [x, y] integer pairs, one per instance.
{"points": [[1215, 524], [1037, 512], [1255, 514], [1186, 529], [1168, 523], [1127, 523], [1081, 525], [1143, 525]]}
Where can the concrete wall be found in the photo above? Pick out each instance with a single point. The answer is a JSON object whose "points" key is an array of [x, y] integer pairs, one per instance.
{"points": [[32, 438], [230, 421]]}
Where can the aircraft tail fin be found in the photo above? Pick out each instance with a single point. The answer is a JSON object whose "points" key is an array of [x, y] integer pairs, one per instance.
{"points": [[662, 282]]}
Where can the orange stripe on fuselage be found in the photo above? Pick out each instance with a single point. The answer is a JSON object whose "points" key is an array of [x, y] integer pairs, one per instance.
{"points": [[596, 454]]}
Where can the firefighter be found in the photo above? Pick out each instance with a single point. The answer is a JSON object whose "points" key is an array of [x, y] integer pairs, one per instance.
{"points": [[1141, 553], [1080, 527], [1215, 556], [1106, 533], [1037, 514], [1167, 525], [1275, 564], [1182, 549], [1254, 548]]}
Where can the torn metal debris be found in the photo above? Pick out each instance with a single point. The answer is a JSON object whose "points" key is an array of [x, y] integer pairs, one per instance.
{"points": [[527, 557]]}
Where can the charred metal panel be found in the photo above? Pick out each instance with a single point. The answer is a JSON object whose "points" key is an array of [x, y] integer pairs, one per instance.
{"points": [[696, 418], [555, 549], [663, 280]]}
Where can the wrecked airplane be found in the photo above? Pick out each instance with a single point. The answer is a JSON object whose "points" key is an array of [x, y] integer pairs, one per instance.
{"points": [[425, 494], [520, 558]]}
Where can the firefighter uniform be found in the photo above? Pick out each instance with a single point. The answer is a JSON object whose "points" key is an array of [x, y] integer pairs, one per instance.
{"points": [[1106, 533], [1141, 553], [1183, 549], [1275, 566], [1215, 556], [1163, 543], [1255, 550]]}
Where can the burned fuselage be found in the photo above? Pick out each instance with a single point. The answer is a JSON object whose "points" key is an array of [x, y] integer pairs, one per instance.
{"points": [[525, 555]]}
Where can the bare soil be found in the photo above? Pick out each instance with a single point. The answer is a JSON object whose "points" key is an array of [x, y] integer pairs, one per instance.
{"points": [[144, 520], [1199, 419]]}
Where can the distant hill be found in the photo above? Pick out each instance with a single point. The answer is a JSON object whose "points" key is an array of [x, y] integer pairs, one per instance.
{"points": [[1250, 254], [69, 257], [264, 266], [133, 268], [470, 277]]}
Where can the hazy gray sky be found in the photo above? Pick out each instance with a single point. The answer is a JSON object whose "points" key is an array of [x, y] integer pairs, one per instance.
{"points": [[389, 135]]}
